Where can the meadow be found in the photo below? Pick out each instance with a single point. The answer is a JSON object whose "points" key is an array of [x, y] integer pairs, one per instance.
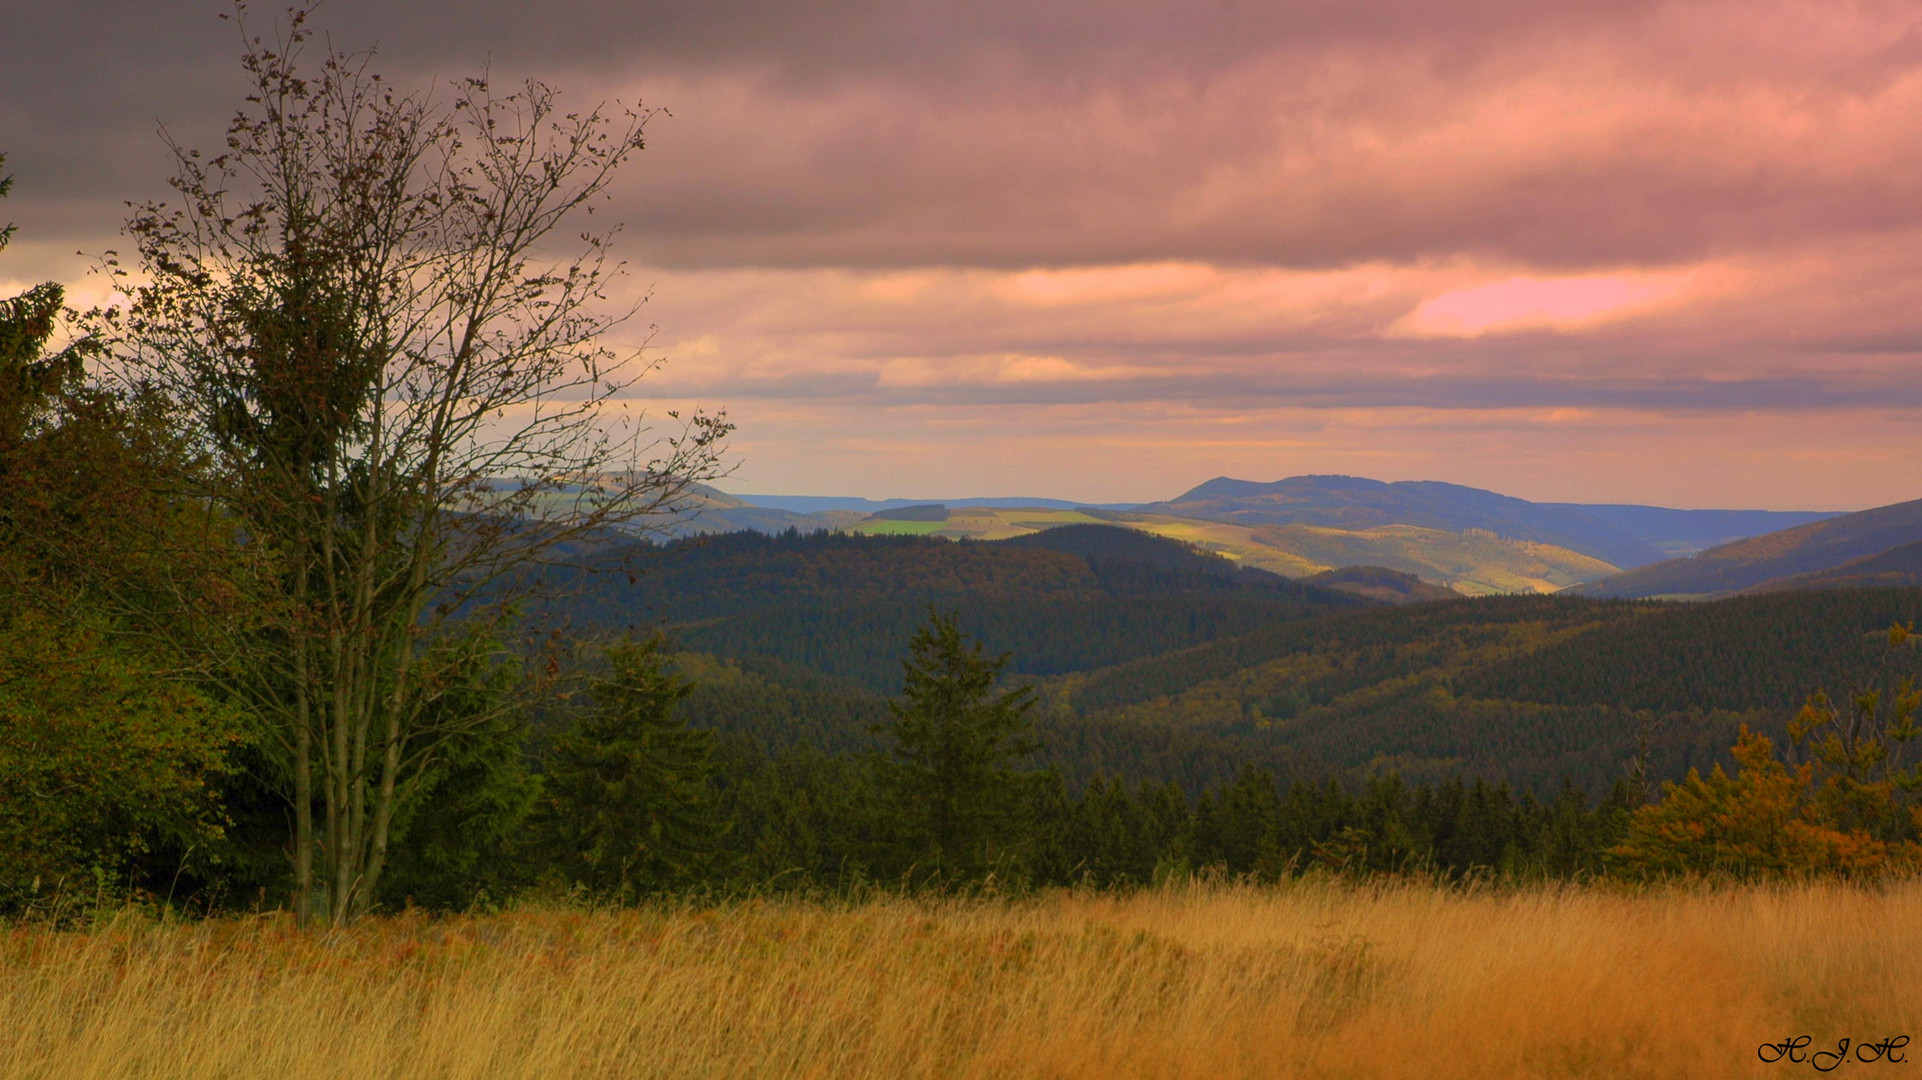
{"points": [[1308, 979]]}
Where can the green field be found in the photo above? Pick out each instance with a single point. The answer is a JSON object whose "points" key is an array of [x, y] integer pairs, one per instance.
{"points": [[890, 527]]}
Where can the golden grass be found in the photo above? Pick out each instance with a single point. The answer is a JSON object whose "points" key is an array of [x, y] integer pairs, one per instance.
{"points": [[1310, 980]]}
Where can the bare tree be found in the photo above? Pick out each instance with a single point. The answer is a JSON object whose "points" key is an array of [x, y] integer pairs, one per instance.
{"points": [[358, 310]]}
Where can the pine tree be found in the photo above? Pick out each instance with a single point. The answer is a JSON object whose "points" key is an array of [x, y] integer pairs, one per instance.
{"points": [[955, 742], [627, 809]]}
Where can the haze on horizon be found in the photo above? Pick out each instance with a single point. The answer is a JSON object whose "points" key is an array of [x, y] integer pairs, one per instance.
{"points": [[1587, 251]]}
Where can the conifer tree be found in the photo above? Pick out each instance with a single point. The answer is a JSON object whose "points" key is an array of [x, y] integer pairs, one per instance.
{"points": [[955, 742], [627, 809]]}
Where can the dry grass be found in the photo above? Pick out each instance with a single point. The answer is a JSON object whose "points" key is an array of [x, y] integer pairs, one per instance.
{"points": [[1313, 980]]}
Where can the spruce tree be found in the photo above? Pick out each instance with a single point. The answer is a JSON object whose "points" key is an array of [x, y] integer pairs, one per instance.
{"points": [[955, 742], [627, 809]]}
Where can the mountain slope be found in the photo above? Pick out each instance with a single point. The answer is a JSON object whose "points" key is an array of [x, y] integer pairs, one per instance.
{"points": [[1474, 562], [1529, 689], [1898, 566], [1381, 583], [1684, 532], [845, 605], [1111, 543], [1804, 550], [1355, 503]]}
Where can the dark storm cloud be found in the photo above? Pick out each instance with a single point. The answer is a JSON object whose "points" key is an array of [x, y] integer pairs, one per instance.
{"points": [[1012, 133]]}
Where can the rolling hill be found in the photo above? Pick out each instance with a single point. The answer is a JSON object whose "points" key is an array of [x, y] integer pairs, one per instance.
{"points": [[1898, 566], [1354, 503], [1157, 660], [1530, 689], [1684, 532], [1194, 672], [1463, 539], [1792, 558], [1380, 583], [1471, 562], [844, 606]]}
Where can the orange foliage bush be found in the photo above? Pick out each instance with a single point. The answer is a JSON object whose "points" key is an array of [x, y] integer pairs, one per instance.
{"points": [[1766, 819], [1845, 807]]}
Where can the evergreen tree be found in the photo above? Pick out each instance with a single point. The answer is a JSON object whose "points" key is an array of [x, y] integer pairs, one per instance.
{"points": [[954, 742], [455, 833], [627, 808], [1237, 828]]}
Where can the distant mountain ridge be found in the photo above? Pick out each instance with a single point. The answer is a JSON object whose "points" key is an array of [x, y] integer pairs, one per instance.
{"points": [[815, 504], [1684, 532], [1458, 537], [1624, 536], [1348, 502], [1470, 561], [1874, 543]]}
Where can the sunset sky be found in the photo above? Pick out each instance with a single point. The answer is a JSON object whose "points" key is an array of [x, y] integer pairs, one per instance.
{"points": [[1588, 251]]}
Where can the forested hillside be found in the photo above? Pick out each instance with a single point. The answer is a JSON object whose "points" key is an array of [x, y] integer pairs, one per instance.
{"points": [[1526, 689], [1530, 690], [1897, 566], [1072, 599], [1776, 558]]}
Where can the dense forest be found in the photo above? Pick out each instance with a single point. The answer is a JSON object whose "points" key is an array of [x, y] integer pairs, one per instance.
{"points": [[840, 605], [1531, 691]]}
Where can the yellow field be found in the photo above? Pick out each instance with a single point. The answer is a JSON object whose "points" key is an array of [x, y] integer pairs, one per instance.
{"points": [[1473, 563], [1309, 980]]}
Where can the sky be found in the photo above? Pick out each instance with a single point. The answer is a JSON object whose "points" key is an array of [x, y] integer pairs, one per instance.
{"points": [[1582, 251]]}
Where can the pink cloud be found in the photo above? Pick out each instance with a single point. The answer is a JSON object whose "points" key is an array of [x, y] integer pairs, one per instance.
{"points": [[1530, 303]]}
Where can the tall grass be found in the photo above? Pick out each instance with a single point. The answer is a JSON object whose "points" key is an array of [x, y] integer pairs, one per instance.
{"points": [[1306, 980]]}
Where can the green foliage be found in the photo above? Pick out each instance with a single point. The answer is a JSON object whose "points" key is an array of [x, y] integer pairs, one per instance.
{"points": [[626, 808], [102, 760], [459, 833], [802, 819], [953, 742], [1867, 778], [110, 761], [778, 706], [31, 381]]}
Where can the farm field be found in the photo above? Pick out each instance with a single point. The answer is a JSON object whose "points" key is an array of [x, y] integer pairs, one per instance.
{"points": [[1472, 563], [1313, 979]]}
